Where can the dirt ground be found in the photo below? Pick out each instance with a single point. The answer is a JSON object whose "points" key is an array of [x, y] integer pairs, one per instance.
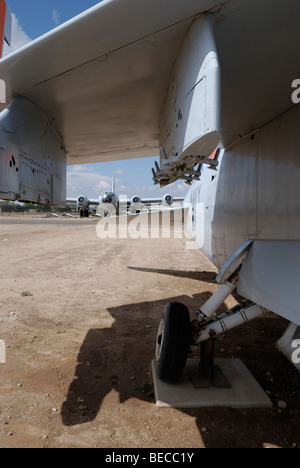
{"points": [[79, 317]]}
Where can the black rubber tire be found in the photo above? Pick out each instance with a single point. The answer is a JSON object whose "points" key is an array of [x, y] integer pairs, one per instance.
{"points": [[173, 341]]}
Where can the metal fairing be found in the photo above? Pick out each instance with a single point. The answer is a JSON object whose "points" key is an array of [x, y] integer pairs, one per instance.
{"points": [[32, 158], [190, 121]]}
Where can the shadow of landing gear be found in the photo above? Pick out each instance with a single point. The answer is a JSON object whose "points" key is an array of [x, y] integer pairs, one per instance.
{"points": [[91, 382], [110, 358], [117, 358]]}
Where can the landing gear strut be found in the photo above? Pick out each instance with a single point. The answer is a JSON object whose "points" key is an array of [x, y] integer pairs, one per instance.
{"points": [[176, 333], [84, 213]]}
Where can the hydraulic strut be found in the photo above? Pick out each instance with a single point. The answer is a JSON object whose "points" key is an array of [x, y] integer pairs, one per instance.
{"points": [[225, 322]]}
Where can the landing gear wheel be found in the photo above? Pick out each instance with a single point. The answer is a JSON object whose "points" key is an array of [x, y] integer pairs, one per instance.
{"points": [[173, 341]]}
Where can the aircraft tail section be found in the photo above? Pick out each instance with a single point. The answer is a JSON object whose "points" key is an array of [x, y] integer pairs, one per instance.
{"points": [[5, 25]]}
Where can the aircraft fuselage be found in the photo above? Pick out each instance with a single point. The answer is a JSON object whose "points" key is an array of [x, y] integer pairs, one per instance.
{"points": [[254, 195]]}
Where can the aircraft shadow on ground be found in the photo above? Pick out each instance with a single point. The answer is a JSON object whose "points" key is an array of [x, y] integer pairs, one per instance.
{"points": [[120, 358], [206, 276]]}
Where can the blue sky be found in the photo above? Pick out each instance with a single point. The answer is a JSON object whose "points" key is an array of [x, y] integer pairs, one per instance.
{"points": [[32, 18], [37, 17]]}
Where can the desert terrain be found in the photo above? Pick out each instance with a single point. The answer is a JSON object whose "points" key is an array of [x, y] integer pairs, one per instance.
{"points": [[79, 317]]}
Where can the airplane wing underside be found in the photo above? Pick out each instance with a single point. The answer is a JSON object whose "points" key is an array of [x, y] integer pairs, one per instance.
{"points": [[102, 78]]}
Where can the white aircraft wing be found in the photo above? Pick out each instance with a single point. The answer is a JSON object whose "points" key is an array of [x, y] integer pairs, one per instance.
{"points": [[72, 200], [94, 202], [101, 78], [149, 201], [75, 200]]}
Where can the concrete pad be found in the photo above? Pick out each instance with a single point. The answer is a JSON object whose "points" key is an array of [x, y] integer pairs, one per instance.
{"points": [[244, 391]]}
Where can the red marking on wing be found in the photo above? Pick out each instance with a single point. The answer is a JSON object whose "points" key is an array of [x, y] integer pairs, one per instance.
{"points": [[2, 23]]}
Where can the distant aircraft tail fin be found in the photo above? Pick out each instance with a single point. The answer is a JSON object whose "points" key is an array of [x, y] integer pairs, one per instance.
{"points": [[5, 25], [113, 185]]}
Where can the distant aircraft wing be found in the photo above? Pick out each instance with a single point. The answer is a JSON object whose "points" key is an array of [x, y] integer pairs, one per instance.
{"points": [[138, 202], [72, 200], [149, 201], [94, 202], [75, 200]]}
